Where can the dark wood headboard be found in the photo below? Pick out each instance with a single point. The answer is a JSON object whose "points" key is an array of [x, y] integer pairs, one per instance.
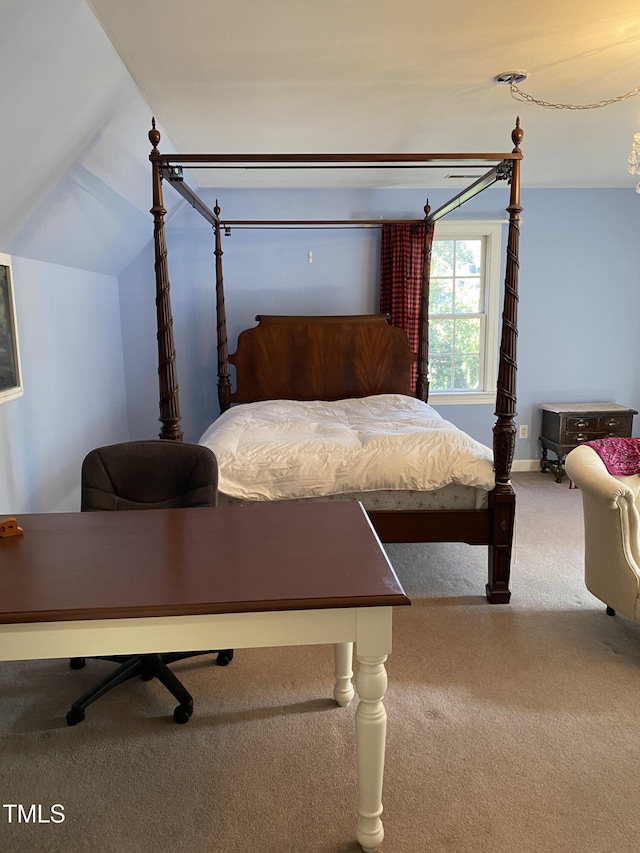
{"points": [[321, 358]]}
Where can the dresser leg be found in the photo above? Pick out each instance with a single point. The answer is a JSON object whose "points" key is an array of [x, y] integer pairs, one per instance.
{"points": [[558, 469], [544, 460], [555, 465]]}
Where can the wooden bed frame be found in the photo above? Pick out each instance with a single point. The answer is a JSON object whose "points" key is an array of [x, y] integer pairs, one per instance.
{"points": [[352, 356]]}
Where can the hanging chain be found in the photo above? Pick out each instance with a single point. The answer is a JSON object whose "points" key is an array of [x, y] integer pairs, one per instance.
{"points": [[519, 95]]}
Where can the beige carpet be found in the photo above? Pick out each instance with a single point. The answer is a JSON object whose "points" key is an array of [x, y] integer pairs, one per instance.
{"points": [[512, 729]]}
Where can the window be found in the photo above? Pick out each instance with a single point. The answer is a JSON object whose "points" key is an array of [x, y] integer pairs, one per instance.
{"points": [[10, 381], [464, 312]]}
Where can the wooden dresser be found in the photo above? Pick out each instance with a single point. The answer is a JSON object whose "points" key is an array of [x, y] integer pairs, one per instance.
{"points": [[566, 425]]}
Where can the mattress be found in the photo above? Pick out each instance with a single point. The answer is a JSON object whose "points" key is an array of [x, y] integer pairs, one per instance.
{"points": [[387, 446]]}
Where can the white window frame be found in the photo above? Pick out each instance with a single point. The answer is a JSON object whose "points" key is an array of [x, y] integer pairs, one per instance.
{"points": [[10, 336], [492, 232]]}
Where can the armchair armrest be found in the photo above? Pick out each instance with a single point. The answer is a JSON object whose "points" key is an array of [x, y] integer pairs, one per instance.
{"points": [[589, 473]]}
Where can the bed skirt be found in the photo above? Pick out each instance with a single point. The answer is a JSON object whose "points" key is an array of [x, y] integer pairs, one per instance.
{"points": [[449, 497]]}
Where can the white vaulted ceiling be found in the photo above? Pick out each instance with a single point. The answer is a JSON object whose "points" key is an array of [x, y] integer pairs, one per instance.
{"points": [[81, 79], [371, 75]]}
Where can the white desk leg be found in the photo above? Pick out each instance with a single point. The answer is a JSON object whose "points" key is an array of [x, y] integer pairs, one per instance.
{"points": [[371, 731], [343, 691]]}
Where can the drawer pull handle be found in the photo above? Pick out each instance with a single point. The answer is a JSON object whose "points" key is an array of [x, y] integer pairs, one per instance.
{"points": [[613, 423], [582, 437], [582, 424]]}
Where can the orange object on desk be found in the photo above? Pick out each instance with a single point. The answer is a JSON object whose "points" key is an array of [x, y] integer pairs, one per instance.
{"points": [[9, 527]]}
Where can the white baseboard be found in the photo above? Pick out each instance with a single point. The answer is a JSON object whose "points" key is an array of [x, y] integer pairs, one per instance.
{"points": [[519, 465]]}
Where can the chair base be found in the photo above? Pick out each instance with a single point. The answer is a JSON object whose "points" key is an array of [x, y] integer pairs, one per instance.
{"points": [[146, 667]]}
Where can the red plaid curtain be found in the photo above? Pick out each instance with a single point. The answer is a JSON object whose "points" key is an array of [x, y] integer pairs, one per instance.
{"points": [[403, 247]]}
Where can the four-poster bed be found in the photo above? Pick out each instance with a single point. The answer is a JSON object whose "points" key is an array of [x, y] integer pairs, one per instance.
{"points": [[297, 359]]}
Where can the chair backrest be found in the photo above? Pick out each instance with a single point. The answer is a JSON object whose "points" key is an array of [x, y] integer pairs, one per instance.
{"points": [[153, 474]]}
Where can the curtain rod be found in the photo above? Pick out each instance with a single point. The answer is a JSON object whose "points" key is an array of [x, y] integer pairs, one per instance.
{"points": [[311, 223]]}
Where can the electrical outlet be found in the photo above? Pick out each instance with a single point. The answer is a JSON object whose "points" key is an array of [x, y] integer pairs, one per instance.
{"points": [[524, 431]]}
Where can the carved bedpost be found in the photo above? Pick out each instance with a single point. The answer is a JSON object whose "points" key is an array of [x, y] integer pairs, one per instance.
{"points": [[224, 383], [167, 377], [502, 500], [422, 378], [504, 433]]}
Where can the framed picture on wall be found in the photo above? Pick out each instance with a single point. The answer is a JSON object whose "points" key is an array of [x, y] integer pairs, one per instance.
{"points": [[10, 375]]}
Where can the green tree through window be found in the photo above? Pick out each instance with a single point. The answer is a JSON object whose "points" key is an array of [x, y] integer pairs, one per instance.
{"points": [[463, 309]]}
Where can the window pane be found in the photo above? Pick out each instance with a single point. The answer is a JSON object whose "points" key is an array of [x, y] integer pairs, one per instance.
{"points": [[441, 296], [441, 336], [467, 336], [442, 257], [467, 372], [468, 257], [440, 373], [467, 299]]}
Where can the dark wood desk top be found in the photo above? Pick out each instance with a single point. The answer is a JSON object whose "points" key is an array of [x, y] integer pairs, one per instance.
{"points": [[177, 562]]}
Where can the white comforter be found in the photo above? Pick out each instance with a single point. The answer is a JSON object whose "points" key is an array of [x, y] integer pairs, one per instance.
{"points": [[283, 449]]}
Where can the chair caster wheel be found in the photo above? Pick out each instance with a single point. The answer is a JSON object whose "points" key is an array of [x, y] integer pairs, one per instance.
{"points": [[76, 663], [224, 658], [75, 716], [182, 714]]}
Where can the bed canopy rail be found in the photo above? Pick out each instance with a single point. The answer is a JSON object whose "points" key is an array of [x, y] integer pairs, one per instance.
{"points": [[502, 167], [174, 175], [330, 161], [502, 172]]}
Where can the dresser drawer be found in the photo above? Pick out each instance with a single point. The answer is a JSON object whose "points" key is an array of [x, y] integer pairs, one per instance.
{"points": [[580, 424], [616, 425], [579, 437]]}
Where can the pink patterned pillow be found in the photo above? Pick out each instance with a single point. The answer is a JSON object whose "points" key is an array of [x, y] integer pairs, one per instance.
{"points": [[621, 456]]}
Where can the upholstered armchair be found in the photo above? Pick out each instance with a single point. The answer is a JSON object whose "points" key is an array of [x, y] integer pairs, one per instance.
{"points": [[611, 520]]}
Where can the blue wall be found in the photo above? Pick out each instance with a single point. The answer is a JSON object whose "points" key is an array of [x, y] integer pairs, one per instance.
{"points": [[579, 301], [579, 292], [73, 378], [88, 341]]}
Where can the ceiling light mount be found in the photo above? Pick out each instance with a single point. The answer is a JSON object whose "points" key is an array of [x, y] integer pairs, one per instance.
{"points": [[510, 77]]}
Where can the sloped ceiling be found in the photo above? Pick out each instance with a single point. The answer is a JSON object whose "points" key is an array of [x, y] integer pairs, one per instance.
{"points": [[74, 170], [81, 79]]}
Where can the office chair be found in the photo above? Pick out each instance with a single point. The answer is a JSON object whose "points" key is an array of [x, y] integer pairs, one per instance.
{"points": [[139, 475]]}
